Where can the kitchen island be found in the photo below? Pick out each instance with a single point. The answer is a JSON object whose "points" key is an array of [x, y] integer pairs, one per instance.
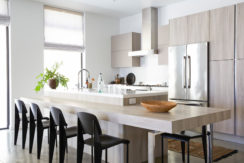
{"points": [[115, 95], [135, 123]]}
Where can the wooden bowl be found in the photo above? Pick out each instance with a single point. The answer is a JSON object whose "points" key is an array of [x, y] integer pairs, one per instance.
{"points": [[158, 106]]}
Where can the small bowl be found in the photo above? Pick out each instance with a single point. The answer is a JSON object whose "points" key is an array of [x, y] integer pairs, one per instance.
{"points": [[158, 106]]}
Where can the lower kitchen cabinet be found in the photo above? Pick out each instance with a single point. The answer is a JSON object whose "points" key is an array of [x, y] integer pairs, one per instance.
{"points": [[240, 97], [222, 92]]}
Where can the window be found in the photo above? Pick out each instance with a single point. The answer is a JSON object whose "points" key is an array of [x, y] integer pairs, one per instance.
{"points": [[64, 42], [4, 82]]}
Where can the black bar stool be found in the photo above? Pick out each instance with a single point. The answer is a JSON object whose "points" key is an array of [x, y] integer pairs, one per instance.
{"points": [[88, 124], [20, 109], [41, 124], [185, 137], [57, 120]]}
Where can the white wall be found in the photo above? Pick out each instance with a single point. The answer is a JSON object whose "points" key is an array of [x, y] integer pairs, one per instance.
{"points": [[150, 72], [99, 30], [26, 59]]}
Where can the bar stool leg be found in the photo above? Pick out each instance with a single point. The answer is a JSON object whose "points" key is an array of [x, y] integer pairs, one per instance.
{"points": [[32, 134], [204, 142], [183, 151], [106, 155], [92, 156], [16, 131], [127, 153], [98, 154], [39, 141], [24, 132], [162, 143], [188, 152]]}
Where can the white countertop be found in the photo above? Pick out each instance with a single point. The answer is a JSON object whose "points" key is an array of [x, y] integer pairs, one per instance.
{"points": [[115, 93], [182, 117]]}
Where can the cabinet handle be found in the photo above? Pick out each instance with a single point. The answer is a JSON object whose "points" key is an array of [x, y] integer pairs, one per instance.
{"points": [[189, 77], [184, 73]]}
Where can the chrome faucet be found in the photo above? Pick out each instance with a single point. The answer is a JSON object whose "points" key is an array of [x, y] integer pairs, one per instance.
{"points": [[80, 78]]}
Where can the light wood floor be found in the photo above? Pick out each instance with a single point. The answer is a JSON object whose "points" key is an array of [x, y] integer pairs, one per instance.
{"points": [[14, 154]]}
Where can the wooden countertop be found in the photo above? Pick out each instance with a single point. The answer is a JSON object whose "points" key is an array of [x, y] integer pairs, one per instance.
{"points": [[182, 117]]}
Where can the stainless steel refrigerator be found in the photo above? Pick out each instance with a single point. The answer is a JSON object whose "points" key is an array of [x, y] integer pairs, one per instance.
{"points": [[188, 74]]}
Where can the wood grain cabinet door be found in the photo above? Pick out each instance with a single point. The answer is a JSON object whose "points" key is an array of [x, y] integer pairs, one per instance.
{"points": [[163, 44], [121, 45], [240, 31], [178, 31], [121, 42], [198, 27], [222, 92], [240, 97], [222, 22]]}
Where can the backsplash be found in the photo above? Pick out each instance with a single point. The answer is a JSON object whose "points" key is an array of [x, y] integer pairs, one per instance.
{"points": [[149, 72]]}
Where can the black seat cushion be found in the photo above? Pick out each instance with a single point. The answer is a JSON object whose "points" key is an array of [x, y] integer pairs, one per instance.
{"points": [[185, 136], [107, 141], [192, 134], [71, 131]]}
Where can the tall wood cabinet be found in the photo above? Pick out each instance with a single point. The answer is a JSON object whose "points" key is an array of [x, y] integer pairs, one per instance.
{"points": [[239, 69], [198, 27], [163, 44], [240, 31], [178, 31], [121, 45], [222, 24], [240, 97], [190, 29], [222, 91]]}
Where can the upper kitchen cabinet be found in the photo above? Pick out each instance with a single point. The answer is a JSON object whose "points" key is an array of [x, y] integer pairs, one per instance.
{"points": [[222, 92], [222, 24], [240, 31], [163, 44], [121, 45], [198, 27], [178, 31], [163, 35]]}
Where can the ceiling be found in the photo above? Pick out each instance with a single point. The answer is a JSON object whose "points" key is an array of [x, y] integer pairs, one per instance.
{"points": [[116, 8]]}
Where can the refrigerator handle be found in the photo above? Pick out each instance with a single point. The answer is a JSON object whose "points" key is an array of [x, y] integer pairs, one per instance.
{"points": [[189, 77], [184, 73]]}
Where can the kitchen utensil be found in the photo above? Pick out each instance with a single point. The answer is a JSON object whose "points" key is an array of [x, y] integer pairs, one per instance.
{"points": [[158, 106], [130, 79]]}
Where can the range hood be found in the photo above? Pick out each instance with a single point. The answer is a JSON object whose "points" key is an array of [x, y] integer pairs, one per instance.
{"points": [[149, 36]]}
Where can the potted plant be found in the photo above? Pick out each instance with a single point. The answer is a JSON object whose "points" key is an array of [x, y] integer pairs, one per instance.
{"points": [[52, 77]]}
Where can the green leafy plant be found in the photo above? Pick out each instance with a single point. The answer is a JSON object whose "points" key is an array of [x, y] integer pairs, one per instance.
{"points": [[51, 74]]}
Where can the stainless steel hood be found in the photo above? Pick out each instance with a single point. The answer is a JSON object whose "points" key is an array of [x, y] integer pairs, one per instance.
{"points": [[149, 36]]}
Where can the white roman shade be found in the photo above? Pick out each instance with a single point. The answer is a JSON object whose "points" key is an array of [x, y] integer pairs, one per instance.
{"points": [[64, 30], [4, 13]]}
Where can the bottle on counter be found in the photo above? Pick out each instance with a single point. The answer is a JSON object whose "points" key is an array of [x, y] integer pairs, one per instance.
{"points": [[117, 80], [100, 83]]}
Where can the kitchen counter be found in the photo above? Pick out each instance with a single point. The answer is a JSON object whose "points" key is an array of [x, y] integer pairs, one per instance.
{"points": [[182, 117], [135, 123], [115, 96]]}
